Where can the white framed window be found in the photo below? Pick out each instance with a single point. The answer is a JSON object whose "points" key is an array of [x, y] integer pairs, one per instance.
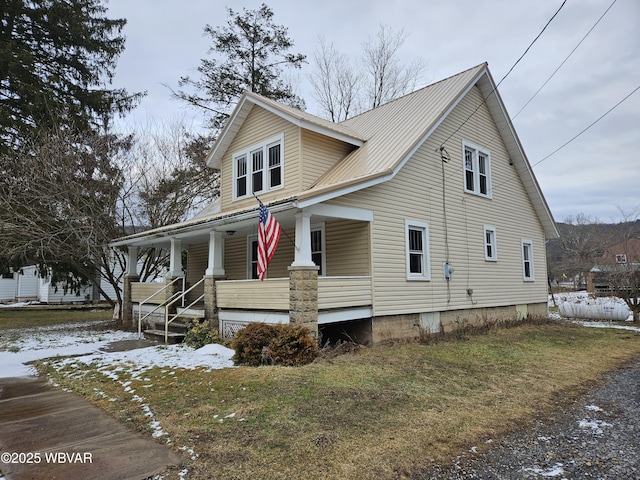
{"points": [[477, 170], [490, 248], [527, 261], [621, 258], [318, 247], [252, 257], [258, 168], [417, 250]]}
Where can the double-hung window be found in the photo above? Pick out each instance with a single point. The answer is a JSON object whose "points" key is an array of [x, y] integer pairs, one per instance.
{"points": [[318, 247], [258, 168], [417, 250], [490, 252], [527, 261], [477, 171]]}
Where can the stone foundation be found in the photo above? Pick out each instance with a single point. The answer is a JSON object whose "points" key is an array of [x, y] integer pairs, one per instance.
{"points": [[412, 326]]}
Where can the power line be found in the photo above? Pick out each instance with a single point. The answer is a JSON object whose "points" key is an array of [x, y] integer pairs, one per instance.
{"points": [[564, 61], [587, 128], [530, 167], [505, 76]]}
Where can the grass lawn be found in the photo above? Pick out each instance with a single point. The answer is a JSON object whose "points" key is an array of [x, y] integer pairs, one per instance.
{"points": [[380, 412], [22, 317]]}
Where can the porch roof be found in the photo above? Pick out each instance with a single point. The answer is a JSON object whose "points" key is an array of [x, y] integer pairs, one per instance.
{"points": [[202, 223]]}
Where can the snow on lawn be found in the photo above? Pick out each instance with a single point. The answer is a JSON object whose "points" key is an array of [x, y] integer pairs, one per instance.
{"points": [[21, 346]]}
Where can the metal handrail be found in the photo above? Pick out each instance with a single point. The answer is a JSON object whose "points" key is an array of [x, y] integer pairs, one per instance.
{"points": [[140, 317], [183, 296]]}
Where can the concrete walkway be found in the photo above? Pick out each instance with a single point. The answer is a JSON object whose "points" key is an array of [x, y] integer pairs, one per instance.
{"points": [[65, 437]]}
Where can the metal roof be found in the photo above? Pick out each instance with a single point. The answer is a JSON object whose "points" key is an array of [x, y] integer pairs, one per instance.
{"points": [[386, 137]]}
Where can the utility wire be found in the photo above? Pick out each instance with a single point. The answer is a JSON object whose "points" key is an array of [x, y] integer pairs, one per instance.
{"points": [[587, 128], [510, 119], [506, 75], [565, 60], [530, 167]]}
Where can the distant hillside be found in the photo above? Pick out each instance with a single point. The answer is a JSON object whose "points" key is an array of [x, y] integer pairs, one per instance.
{"points": [[581, 244]]}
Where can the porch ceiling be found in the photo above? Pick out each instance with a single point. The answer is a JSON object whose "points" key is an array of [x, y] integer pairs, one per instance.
{"points": [[240, 224]]}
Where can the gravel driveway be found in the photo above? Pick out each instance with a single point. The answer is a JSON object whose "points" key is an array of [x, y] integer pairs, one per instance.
{"points": [[597, 438]]}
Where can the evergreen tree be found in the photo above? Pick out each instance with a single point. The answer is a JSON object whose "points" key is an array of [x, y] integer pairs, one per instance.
{"points": [[251, 51], [56, 58]]}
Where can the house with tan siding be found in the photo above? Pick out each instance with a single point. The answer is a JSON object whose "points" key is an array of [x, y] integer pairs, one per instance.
{"points": [[422, 214]]}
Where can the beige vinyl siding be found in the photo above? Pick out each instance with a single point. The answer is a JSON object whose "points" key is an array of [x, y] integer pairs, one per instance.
{"points": [[415, 193], [259, 126], [197, 260], [340, 292], [272, 294], [320, 154], [235, 258], [142, 290], [237, 254], [347, 248]]}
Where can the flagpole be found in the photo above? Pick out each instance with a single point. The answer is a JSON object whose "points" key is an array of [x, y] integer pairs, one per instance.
{"points": [[283, 230]]}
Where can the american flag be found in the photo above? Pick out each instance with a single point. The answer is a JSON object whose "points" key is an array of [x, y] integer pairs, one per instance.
{"points": [[268, 237]]}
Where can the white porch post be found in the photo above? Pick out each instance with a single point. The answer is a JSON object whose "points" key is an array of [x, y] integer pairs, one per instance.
{"points": [[302, 256], [130, 276], [132, 261], [175, 259], [215, 265]]}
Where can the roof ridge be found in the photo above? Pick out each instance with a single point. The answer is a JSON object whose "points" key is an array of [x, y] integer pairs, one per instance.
{"points": [[484, 64]]}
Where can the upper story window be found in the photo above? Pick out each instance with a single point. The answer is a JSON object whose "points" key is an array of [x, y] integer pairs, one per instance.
{"points": [[258, 168], [490, 252], [621, 258], [477, 170]]}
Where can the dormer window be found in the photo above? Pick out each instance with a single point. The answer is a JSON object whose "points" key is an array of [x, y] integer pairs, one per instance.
{"points": [[258, 168]]}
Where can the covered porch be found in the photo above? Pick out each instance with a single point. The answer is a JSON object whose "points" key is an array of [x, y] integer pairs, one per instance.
{"points": [[319, 275]]}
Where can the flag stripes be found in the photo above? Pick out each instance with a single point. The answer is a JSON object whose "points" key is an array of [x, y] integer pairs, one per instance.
{"points": [[268, 237]]}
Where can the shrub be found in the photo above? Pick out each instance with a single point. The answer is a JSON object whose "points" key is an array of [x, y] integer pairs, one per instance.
{"points": [[200, 334], [262, 343]]}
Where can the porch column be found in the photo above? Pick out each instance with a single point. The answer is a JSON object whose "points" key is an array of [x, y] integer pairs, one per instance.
{"points": [[303, 297], [302, 256], [215, 271], [175, 259], [130, 276], [215, 265]]}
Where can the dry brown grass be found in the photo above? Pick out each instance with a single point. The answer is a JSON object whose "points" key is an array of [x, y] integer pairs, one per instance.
{"points": [[378, 413]]}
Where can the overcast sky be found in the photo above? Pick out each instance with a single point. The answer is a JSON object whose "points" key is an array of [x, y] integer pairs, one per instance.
{"points": [[597, 174]]}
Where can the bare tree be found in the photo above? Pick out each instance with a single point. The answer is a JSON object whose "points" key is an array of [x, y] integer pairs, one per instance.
{"points": [[388, 79], [344, 88], [66, 196], [165, 181], [581, 242], [336, 82], [58, 206], [618, 268]]}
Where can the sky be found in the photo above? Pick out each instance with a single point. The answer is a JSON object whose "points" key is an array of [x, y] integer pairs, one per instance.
{"points": [[596, 174]]}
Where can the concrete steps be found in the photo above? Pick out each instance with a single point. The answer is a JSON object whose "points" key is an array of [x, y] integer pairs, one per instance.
{"points": [[177, 328]]}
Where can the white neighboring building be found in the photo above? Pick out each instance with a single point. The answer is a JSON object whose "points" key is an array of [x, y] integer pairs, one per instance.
{"points": [[26, 285]]}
